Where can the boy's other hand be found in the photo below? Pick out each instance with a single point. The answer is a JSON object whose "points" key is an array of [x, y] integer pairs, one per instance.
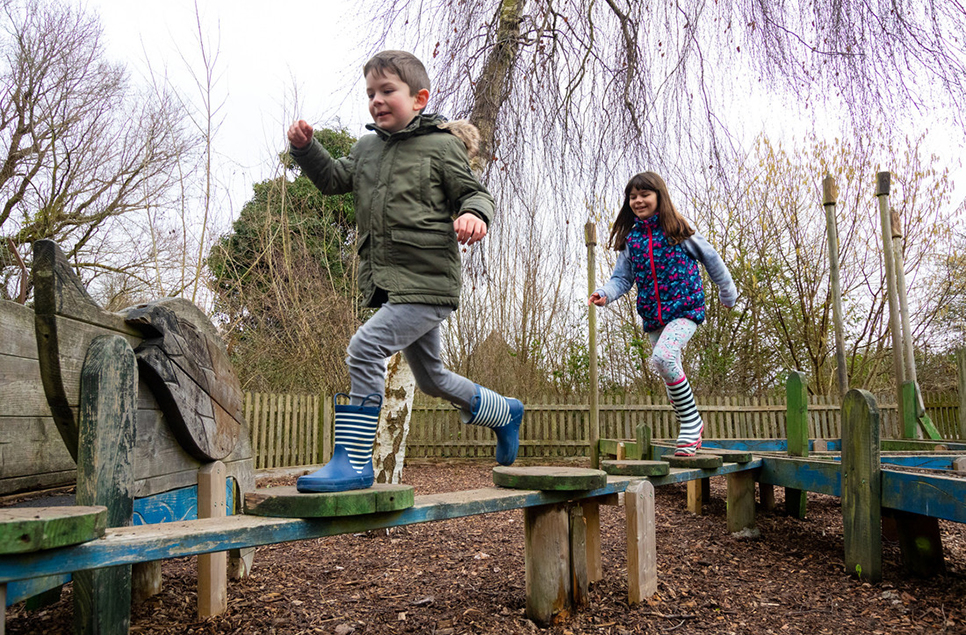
{"points": [[597, 299], [300, 134], [470, 228]]}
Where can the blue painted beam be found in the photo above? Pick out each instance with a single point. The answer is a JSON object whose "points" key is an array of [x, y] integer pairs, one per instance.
{"points": [[144, 543], [812, 475], [934, 495]]}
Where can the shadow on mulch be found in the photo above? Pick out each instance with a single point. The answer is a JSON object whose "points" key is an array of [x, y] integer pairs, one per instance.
{"points": [[466, 576]]}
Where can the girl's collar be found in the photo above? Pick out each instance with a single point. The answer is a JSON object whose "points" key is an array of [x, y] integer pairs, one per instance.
{"points": [[644, 223]]}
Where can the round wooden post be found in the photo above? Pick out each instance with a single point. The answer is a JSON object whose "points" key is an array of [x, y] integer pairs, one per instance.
{"points": [[549, 586], [796, 431], [883, 180], [829, 197], [590, 236]]}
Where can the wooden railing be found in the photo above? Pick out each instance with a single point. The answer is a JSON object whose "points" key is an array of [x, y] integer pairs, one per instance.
{"points": [[291, 430]]}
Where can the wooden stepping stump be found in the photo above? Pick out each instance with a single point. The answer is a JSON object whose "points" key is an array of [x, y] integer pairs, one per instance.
{"points": [[287, 502], [703, 461], [28, 529], [729, 456], [549, 478], [636, 468]]}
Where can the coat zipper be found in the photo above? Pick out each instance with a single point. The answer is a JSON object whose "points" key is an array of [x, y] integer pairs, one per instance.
{"points": [[650, 257]]}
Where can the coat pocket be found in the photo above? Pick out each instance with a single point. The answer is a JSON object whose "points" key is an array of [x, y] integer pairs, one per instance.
{"points": [[429, 259]]}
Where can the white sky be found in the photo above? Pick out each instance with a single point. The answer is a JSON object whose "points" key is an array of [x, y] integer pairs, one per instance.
{"points": [[266, 51]]}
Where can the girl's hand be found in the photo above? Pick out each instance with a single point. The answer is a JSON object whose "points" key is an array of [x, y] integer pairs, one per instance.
{"points": [[597, 299], [469, 228]]}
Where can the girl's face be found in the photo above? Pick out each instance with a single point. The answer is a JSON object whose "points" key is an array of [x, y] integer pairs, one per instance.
{"points": [[643, 203]]}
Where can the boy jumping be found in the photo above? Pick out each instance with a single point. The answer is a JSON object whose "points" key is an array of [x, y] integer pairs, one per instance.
{"points": [[409, 180]]}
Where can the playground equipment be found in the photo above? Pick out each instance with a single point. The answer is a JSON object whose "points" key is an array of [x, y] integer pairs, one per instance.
{"points": [[143, 401], [910, 484]]}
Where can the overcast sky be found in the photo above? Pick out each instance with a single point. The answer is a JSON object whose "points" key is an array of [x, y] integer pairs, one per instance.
{"points": [[266, 51]]}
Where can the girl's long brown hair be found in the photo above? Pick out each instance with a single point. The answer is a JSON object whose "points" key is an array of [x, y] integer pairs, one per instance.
{"points": [[672, 223]]}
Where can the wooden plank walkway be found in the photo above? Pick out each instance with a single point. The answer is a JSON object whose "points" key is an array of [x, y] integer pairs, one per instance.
{"points": [[145, 543]]}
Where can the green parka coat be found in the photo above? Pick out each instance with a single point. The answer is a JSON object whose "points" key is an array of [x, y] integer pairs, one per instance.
{"points": [[409, 186]]}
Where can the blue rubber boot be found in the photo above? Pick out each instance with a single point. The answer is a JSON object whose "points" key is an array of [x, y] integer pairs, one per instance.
{"points": [[503, 414], [351, 464]]}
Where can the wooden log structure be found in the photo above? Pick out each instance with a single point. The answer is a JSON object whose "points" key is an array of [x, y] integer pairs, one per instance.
{"points": [[186, 412]]}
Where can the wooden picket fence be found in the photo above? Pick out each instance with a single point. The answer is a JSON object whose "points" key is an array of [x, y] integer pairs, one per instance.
{"points": [[292, 430]]}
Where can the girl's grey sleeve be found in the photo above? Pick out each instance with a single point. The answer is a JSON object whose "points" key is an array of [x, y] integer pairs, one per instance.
{"points": [[701, 250], [620, 281]]}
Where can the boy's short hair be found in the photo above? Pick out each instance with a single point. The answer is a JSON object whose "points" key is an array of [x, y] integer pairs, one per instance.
{"points": [[406, 65]]}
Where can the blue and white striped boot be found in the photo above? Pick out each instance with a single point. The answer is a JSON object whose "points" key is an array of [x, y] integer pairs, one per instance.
{"points": [[503, 414], [351, 463]]}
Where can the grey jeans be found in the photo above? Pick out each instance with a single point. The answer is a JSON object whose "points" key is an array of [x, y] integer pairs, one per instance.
{"points": [[414, 330]]}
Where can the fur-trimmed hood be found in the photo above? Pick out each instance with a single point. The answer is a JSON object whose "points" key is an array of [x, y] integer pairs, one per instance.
{"points": [[465, 132]]}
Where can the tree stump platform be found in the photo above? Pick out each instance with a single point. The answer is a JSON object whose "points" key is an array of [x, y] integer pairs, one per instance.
{"points": [[636, 468], [287, 502], [547, 478]]}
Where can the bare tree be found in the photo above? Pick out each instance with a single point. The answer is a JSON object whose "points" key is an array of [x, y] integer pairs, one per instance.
{"points": [[80, 147]]}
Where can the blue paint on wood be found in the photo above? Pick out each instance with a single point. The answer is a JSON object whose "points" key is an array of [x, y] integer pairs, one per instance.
{"points": [[176, 505], [920, 461], [130, 545], [810, 475], [748, 445], [934, 495], [23, 589]]}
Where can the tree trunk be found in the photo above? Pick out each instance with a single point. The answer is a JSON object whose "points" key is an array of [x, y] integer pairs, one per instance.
{"points": [[389, 451]]}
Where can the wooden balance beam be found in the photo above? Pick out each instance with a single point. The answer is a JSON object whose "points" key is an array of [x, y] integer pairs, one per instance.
{"points": [[146, 543]]}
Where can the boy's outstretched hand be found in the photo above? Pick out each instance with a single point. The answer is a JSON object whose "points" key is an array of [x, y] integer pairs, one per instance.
{"points": [[300, 134], [470, 228]]}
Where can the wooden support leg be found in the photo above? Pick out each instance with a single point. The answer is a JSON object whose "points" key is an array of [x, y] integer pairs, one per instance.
{"points": [[591, 511], [695, 493], [546, 531], [579, 578], [3, 605], [741, 501], [145, 580], [766, 493], [105, 475], [795, 503], [861, 486], [641, 542], [921, 543], [212, 567], [621, 451]]}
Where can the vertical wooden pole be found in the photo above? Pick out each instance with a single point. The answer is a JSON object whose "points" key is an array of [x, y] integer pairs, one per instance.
{"points": [[642, 434], [546, 537], [105, 475], [961, 364], [695, 496], [212, 567], [590, 236], [595, 570], [641, 541], [579, 567], [861, 486], [829, 197], [796, 426], [883, 181]]}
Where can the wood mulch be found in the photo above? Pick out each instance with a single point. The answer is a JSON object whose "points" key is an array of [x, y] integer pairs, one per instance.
{"points": [[466, 576]]}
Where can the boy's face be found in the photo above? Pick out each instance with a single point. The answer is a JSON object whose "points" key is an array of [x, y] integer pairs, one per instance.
{"points": [[390, 103]]}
